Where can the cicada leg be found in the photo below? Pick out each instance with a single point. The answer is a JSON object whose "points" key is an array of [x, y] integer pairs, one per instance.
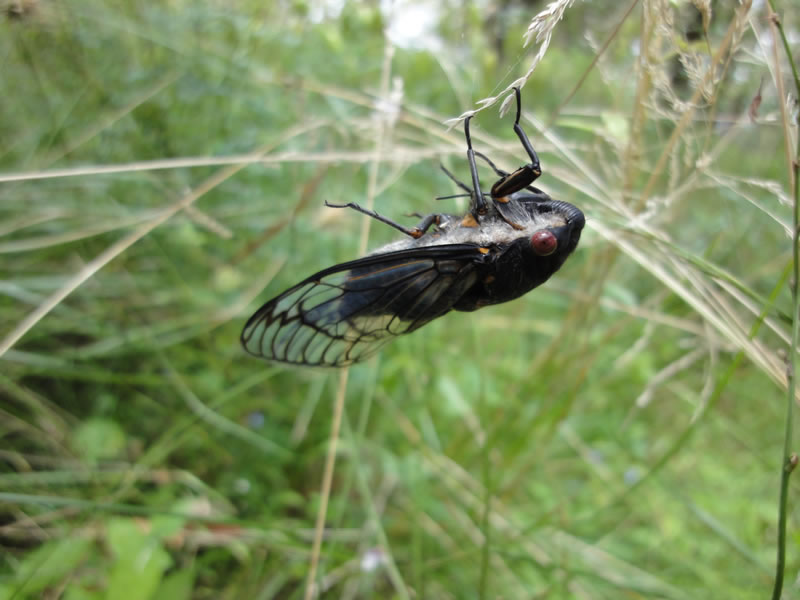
{"points": [[526, 174], [415, 232], [479, 206]]}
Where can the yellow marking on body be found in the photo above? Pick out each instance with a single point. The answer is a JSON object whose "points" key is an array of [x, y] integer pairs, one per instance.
{"points": [[489, 279], [503, 199], [469, 221], [483, 250]]}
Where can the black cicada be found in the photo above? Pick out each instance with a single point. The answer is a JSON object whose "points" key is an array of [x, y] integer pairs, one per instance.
{"points": [[500, 250]]}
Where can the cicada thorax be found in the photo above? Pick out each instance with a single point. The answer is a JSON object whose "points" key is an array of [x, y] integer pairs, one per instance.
{"points": [[511, 271]]}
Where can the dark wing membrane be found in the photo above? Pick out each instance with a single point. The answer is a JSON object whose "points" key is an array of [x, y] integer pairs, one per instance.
{"points": [[346, 313]]}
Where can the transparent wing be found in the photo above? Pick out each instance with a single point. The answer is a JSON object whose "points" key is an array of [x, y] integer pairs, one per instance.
{"points": [[346, 313]]}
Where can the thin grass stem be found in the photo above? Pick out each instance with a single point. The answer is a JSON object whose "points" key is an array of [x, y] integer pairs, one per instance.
{"points": [[788, 460]]}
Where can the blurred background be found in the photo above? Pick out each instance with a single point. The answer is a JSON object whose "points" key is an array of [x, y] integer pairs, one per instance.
{"points": [[616, 433]]}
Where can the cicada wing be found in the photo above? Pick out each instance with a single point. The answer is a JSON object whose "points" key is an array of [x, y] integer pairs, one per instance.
{"points": [[346, 313]]}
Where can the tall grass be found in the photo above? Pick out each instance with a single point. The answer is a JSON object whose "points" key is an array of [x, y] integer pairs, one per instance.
{"points": [[615, 433]]}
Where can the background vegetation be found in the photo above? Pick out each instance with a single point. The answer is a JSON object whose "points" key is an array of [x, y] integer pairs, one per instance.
{"points": [[615, 434]]}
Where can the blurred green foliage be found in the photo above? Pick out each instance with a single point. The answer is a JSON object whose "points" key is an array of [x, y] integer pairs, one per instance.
{"points": [[145, 456]]}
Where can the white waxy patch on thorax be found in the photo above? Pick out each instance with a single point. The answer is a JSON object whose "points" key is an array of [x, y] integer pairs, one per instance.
{"points": [[492, 230]]}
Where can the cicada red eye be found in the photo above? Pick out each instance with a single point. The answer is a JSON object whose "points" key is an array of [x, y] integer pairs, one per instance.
{"points": [[544, 243]]}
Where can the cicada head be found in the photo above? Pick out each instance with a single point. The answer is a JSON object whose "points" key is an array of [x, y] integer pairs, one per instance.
{"points": [[552, 236], [563, 230]]}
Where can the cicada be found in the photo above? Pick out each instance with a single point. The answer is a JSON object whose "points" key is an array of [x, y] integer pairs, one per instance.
{"points": [[510, 241]]}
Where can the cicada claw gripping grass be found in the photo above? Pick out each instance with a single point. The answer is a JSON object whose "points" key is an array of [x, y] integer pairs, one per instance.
{"points": [[510, 241]]}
